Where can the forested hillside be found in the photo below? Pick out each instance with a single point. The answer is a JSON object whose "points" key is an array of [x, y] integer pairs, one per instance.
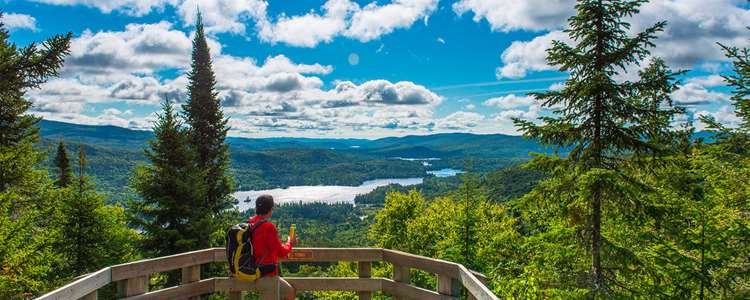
{"points": [[622, 199], [280, 162]]}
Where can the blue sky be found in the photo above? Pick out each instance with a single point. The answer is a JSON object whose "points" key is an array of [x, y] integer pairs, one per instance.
{"points": [[344, 68]]}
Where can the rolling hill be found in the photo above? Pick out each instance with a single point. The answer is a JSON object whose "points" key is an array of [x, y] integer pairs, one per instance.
{"points": [[260, 163]]}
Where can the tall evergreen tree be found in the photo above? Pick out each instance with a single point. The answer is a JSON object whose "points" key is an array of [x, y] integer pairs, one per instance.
{"points": [[735, 140], [80, 226], [170, 186], [208, 127], [740, 81], [62, 166], [25, 252], [603, 119]]}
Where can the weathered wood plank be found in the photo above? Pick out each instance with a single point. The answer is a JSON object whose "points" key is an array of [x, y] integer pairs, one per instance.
{"points": [[364, 270], [335, 254], [401, 274], [235, 296], [81, 287], [161, 264], [406, 291], [448, 286], [334, 284], [133, 286], [475, 287], [191, 274], [91, 296], [188, 290], [427, 264]]}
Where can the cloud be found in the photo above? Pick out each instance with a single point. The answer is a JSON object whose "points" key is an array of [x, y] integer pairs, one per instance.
{"points": [[724, 115], [694, 28], [693, 93], [19, 21], [509, 15], [510, 101], [689, 40], [336, 17], [373, 21], [506, 116], [403, 92], [708, 81], [130, 7], [460, 120], [521, 57], [222, 15], [343, 18], [142, 48], [310, 29], [146, 89]]}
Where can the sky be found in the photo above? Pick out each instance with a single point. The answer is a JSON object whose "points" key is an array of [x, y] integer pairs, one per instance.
{"points": [[350, 68]]}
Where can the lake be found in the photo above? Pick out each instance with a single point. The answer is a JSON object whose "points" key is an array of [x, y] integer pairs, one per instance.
{"points": [[331, 193]]}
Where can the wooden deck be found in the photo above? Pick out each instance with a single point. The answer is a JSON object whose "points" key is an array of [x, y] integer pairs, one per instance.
{"points": [[132, 278]]}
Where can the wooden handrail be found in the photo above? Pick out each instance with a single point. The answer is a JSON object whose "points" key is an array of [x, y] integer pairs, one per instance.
{"points": [[131, 277]]}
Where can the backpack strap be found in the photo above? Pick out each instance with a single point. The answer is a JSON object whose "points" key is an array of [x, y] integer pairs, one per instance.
{"points": [[248, 235]]}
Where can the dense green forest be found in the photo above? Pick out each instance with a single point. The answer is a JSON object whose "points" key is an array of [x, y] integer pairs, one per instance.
{"points": [[270, 163], [632, 204]]}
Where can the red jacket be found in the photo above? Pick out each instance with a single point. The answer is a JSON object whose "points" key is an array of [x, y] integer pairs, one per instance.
{"points": [[267, 245]]}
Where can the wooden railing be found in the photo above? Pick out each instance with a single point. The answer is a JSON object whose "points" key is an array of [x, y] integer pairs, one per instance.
{"points": [[133, 278]]}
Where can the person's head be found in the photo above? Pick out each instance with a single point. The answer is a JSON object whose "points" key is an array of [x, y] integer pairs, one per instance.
{"points": [[264, 205]]}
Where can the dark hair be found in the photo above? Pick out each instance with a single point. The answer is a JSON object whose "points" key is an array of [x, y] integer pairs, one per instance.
{"points": [[263, 204]]}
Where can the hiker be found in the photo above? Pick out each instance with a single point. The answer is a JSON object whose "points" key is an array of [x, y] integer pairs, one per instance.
{"points": [[268, 248]]}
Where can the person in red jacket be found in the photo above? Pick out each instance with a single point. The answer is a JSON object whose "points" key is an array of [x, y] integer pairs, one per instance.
{"points": [[268, 248]]}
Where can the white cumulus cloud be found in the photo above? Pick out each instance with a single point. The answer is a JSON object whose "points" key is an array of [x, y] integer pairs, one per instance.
{"points": [[19, 21], [508, 15]]}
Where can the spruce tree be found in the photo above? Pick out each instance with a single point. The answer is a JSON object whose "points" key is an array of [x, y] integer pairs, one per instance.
{"points": [[601, 119], [170, 186], [25, 251], [93, 235], [80, 226], [208, 127], [740, 81], [735, 140], [62, 166]]}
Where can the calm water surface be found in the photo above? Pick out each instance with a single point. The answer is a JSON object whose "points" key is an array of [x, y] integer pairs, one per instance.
{"points": [[330, 193]]}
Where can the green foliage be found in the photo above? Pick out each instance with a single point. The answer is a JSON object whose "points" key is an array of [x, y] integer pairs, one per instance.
{"points": [[62, 166], [208, 127], [740, 81], [390, 228], [604, 119], [323, 225], [27, 258], [91, 235], [172, 191], [431, 187]]}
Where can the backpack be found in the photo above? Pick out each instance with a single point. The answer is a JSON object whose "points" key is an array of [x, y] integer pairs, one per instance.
{"points": [[240, 252]]}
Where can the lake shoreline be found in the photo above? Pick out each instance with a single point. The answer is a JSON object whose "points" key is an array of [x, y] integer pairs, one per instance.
{"points": [[331, 193]]}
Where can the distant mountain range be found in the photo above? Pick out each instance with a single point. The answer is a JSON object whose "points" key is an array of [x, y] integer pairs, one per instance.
{"points": [[442, 145], [261, 163]]}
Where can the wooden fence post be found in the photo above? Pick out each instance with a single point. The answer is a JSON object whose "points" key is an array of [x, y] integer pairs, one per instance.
{"points": [[132, 286], [235, 295], [401, 275], [91, 296], [448, 286], [191, 274], [364, 270], [270, 292]]}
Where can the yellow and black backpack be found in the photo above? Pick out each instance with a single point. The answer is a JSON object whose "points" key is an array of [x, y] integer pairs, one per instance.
{"points": [[240, 252]]}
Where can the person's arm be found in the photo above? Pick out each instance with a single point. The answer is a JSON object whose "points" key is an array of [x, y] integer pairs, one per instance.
{"points": [[275, 242]]}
